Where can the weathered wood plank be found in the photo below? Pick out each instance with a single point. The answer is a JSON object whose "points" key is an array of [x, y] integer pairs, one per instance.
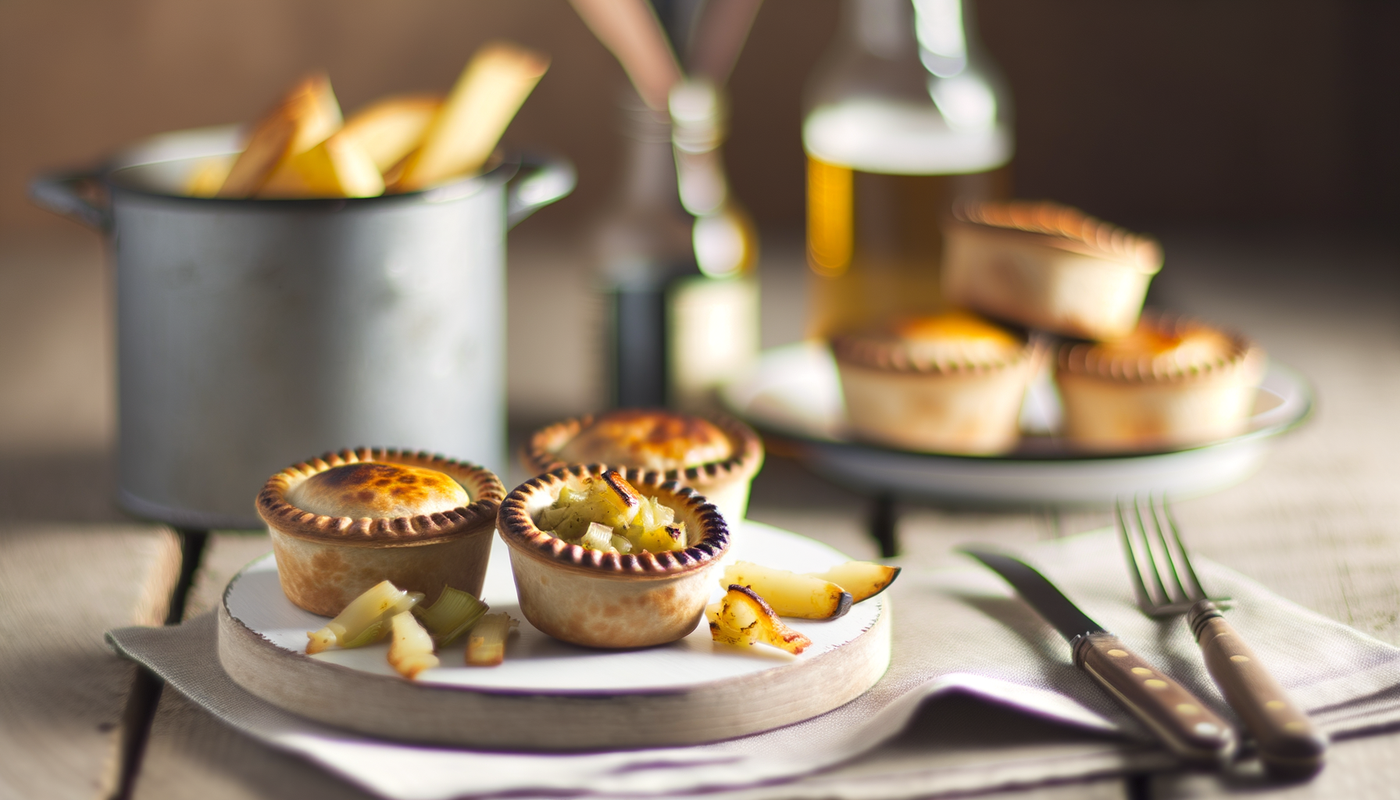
{"points": [[190, 753], [62, 691]]}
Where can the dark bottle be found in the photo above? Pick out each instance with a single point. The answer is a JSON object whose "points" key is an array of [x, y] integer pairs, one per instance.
{"points": [[677, 259]]}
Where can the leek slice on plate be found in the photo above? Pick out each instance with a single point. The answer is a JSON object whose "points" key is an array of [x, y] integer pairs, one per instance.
{"points": [[453, 614], [350, 627]]}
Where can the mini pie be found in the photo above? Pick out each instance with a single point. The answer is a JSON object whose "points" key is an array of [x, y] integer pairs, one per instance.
{"points": [[949, 383], [717, 456], [345, 521], [1049, 267], [1173, 382], [610, 600]]}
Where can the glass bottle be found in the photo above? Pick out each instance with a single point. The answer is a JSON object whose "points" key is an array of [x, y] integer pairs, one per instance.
{"points": [[904, 115], [678, 259]]}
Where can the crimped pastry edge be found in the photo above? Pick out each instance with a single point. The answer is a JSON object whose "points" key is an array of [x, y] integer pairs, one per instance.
{"points": [[1063, 227], [519, 531], [1086, 360], [541, 453], [483, 487], [891, 354]]}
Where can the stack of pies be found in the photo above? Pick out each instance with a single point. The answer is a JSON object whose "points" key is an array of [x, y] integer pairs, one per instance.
{"points": [[1129, 381]]}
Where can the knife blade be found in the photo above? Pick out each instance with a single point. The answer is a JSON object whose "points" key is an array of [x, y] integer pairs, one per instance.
{"points": [[1179, 720]]}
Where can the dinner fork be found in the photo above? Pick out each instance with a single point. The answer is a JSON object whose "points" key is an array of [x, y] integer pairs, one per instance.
{"points": [[1289, 745]]}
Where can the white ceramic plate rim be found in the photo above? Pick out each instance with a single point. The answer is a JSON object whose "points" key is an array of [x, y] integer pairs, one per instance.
{"points": [[794, 391], [539, 665]]}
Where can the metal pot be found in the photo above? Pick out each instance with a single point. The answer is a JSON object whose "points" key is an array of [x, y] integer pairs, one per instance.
{"points": [[253, 334]]}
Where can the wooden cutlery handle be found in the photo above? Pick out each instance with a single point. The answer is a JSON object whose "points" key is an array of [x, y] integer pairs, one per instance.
{"points": [[1181, 721], [1289, 745]]}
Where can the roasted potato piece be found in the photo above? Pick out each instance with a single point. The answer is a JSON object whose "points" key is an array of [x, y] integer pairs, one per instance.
{"points": [[741, 617], [337, 167], [476, 113], [863, 579], [208, 175], [390, 128], [788, 593], [660, 539], [411, 648], [304, 118]]}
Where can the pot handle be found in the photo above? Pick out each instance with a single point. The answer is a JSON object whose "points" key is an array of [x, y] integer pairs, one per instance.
{"points": [[540, 181], [61, 194]]}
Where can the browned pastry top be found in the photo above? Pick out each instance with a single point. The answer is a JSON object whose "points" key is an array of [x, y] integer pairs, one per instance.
{"points": [[1064, 228], [1161, 347], [952, 341], [372, 496], [659, 440], [374, 490]]}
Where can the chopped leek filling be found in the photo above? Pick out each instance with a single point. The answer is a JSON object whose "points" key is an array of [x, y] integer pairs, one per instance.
{"points": [[608, 514]]}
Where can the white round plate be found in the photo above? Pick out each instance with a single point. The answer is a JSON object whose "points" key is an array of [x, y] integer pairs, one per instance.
{"points": [[794, 392], [550, 695]]}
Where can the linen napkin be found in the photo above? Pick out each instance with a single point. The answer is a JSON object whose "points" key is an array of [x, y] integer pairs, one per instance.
{"points": [[965, 650]]}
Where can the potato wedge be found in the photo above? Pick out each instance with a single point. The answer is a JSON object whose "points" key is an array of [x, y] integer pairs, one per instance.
{"points": [[788, 593], [741, 617], [391, 128], [305, 116], [863, 579], [411, 648], [481, 105], [336, 167], [208, 175]]}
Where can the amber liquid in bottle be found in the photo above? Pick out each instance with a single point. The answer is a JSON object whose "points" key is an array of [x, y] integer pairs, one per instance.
{"points": [[874, 241], [904, 117]]}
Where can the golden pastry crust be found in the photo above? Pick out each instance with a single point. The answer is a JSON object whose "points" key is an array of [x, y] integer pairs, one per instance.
{"points": [[1063, 228], [325, 560], [375, 489], [656, 440], [1049, 267], [953, 342], [483, 489], [1159, 348], [951, 383], [1173, 382], [720, 468]]}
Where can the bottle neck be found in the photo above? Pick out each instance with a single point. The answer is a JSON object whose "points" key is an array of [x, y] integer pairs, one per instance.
{"points": [[880, 27], [649, 163], [905, 91]]}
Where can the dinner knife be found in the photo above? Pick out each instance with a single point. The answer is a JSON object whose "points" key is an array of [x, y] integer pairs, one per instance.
{"points": [[1183, 723]]}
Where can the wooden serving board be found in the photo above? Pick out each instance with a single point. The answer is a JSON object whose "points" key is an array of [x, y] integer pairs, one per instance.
{"points": [[553, 696]]}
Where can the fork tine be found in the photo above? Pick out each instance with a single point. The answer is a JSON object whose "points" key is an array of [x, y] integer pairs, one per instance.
{"points": [[1198, 591], [1134, 571], [1182, 596], [1147, 550]]}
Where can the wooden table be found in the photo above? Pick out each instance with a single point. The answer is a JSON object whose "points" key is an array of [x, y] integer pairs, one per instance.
{"points": [[1320, 524]]}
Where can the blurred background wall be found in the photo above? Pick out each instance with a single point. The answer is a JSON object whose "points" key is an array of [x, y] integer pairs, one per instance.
{"points": [[1238, 120], [1163, 112]]}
